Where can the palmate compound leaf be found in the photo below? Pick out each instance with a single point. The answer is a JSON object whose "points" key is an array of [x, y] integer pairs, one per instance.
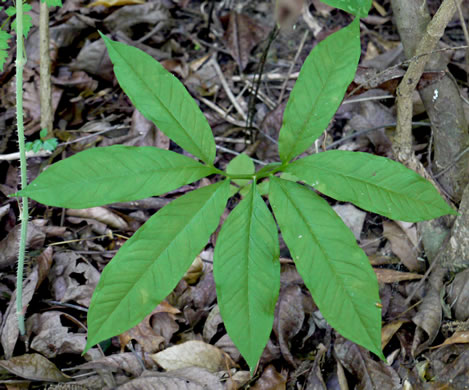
{"points": [[374, 183], [161, 98], [319, 90], [334, 268], [111, 174], [151, 263], [246, 269], [359, 8]]}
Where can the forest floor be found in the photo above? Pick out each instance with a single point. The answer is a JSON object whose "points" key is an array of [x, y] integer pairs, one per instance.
{"points": [[208, 49]]}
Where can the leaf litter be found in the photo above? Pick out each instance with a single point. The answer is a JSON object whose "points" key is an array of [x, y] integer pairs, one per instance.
{"points": [[185, 335]]}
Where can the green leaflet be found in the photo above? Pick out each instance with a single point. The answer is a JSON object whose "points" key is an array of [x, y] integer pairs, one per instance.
{"points": [[4, 37], [151, 263], [241, 165], [374, 183], [334, 268], [246, 269], [111, 174], [53, 3], [319, 90], [161, 98], [27, 19], [359, 8]]}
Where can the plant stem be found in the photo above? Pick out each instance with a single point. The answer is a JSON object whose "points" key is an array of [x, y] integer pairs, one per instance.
{"points": [[20, 62]]}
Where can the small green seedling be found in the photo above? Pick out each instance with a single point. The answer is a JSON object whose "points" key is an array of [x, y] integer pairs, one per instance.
{"points": [[49, 144], [246, 259]]}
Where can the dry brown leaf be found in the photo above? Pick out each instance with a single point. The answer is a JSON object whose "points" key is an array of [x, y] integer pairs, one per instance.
{"points": [[145, 133], [389, 330], [10, 332], [100, 214], [115, 3], [270, 379], [193, 354], [52, 338], [287, 12], [195, 271], [403, 247], [226, 345], [191, 378], [242, 34], [461, 337], [315, 378], [127, 361], [211, 324], [353, 217], [371, 374], [458, 295], [73, 279], [10, 244], [35, 367], [391, 276], [289, 318], [268, 150]]}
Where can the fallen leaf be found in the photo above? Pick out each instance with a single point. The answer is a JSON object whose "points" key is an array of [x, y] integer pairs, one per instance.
{"points": [[370, 374], [127, 361], [287, 12], [100, 214], [391, 276], [115, 3], [352, 217], [10, 332], [461, 337], [289, 318], [191, 378], [52, 338], [458, 295], [242, 34], [389, 330], [194, 272], [9, 246], [270, 379], [34, 367], [193, 354], [403, 247]]}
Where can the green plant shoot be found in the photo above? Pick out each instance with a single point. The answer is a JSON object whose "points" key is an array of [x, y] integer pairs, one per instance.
{"points": [[246, 258]]}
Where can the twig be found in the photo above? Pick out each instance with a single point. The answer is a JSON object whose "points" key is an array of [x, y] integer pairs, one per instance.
{"points": [[452, 164], [44, 70], [222, 113], [226, 87], [466, 37], [226, 150], [290, 71], [16, 156], [403, 140]]}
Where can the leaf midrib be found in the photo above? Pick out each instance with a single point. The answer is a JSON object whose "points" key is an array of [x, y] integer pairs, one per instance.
{"points": [[152, 263], [325, 255], [202, 154]]}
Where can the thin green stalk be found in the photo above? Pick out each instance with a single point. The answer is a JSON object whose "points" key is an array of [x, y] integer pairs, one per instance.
{"points": [[20, 62]]}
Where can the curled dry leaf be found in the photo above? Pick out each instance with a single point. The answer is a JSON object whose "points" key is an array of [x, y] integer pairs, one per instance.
{"points": [[371, 374], [34, 367], [100, 214], [194, 272], [211, 324], [127, 361], [52, 338], [458, 295], [73, 279], [152, 338], [289, 318], [226, 345], [191, 378], [10, 244], [391, 276], [390, 330], [270, 379], [9, 334], [461, 337], [193, 354], [403, 247]]}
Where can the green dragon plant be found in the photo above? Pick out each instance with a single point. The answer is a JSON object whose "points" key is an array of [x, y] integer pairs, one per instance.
{"points": [[246, 259]]}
